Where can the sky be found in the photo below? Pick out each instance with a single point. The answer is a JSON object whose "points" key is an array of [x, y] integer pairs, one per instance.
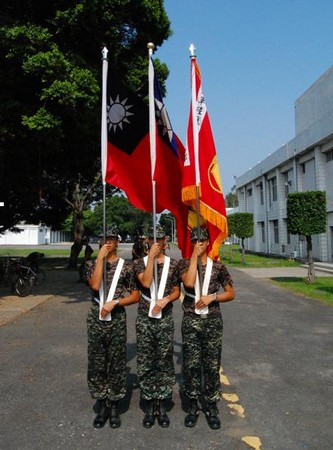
{"points": [[256, 58]]}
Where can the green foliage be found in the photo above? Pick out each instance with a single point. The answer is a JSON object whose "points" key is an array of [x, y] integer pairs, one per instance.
{"points": [[241, 224], [231, 200], [120, 212], [231, 224], [50, 76], [306, 213], [41, 120]]}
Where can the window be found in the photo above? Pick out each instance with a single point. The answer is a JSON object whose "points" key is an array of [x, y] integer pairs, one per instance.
{"points": [[249, 192], [329, 156], [261, 188], [276, 231], [274, 189], [262, 229], [287, 185]]}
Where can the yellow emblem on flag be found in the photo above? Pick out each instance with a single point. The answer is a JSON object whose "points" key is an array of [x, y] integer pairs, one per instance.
{"points": [[214, 176]]}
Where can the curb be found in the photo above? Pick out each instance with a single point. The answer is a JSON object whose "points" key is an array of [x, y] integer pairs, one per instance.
{"points": [[12, 306]]}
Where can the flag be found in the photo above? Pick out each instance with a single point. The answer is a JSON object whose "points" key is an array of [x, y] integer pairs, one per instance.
{"points": [[201, 172], [128, 152]]}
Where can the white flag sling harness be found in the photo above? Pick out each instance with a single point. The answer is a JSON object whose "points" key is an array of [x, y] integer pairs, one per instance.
{"points": [[112, 289], [161, 288], [205, 286]]}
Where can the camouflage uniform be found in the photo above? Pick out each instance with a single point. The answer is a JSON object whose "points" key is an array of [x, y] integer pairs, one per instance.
{"points": [[155, 365], [107, 339], [202, 337]]}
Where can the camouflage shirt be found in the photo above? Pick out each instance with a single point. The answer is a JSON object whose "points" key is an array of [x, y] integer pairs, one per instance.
{"points": [[219, 277], [172, 280], [126, 282]]}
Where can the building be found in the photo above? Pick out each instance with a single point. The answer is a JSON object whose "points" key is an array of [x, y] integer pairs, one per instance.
{"points": [[34, 235], [303, 164]]}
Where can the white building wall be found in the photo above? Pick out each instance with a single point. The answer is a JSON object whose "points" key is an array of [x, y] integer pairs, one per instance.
{"points": [[34, 235], [303, 164]]}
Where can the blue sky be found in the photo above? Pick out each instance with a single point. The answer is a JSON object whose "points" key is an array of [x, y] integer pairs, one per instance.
{"points": [[256, 58]]}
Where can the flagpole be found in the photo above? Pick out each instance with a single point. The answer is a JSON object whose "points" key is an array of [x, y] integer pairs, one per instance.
{"points": [[195, 128], [104, 140], [152, 137]]}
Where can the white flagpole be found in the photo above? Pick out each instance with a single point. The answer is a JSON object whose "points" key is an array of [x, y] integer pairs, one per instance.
{"points": [[152, 130], [195, 127], [194, 102], [104, 143], [104, 118], [152, 137]]}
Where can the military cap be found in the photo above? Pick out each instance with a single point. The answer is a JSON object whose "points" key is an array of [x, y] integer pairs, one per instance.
{"points": [[160, 232], [200, 234], [112, 231]]}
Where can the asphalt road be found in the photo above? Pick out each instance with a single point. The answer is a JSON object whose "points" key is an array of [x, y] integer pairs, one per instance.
{"points": [[277, 375]]}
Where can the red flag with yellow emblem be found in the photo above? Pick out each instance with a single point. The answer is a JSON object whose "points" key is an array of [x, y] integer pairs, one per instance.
{"points": [[201, 174]]}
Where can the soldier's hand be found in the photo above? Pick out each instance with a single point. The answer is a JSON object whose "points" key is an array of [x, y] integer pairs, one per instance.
{"points": [[159, 305], [107, 308], [205, 300], [154, 249]]}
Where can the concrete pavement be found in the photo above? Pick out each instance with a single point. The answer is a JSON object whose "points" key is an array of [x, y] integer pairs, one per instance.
{"points": [[277, 375]]}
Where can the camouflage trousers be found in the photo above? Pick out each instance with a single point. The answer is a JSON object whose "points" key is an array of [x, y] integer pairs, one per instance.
{"points": [[202, 347], [156, 372], [106, 355]]}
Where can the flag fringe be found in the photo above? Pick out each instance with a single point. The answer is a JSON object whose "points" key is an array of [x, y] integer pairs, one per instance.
{"points": [[214, 251], [215, 218], [189, 193]]}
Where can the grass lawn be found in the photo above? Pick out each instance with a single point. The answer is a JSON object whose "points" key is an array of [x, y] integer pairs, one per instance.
{"points": [[25, 252], [232, 257], [321, 290]]}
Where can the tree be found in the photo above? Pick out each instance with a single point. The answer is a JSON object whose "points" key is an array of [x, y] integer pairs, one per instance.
{"points": [[50, 75], [231, 232], [306, 215], [242, 226], [120, 212], [232, 200], [168, 221]]}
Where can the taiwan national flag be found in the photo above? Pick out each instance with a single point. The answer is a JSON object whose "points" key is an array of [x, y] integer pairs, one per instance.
{"points": [[201, 170], [128, 153]]}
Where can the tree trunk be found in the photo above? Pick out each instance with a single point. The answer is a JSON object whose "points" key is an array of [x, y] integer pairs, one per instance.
{"points": [[243, 251], [311, 269], [230, 252], [78, 234]]}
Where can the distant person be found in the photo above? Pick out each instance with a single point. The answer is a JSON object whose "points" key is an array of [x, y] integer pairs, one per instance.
{"points": [[107, 338], [139, 249], [87, 256], [33, 260], [202, 328]]}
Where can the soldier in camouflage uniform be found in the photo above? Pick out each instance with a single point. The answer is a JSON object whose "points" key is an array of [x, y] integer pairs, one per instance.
{"points": [[107, 338], [155, 329], [202, 328]]}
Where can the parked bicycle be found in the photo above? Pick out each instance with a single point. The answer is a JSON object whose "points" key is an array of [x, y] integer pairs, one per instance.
{"points": [[36, 276], [12, 274]]}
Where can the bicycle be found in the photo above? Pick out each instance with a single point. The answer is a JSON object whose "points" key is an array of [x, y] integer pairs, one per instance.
{"points": [[36, 276], [12, 275], [30, 265]]}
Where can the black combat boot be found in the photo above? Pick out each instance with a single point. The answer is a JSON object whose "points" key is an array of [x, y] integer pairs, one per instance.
{"points": [[102, 415], [193, 413], [114, 419], [162, 417], [212, 416], [149, 418]]}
